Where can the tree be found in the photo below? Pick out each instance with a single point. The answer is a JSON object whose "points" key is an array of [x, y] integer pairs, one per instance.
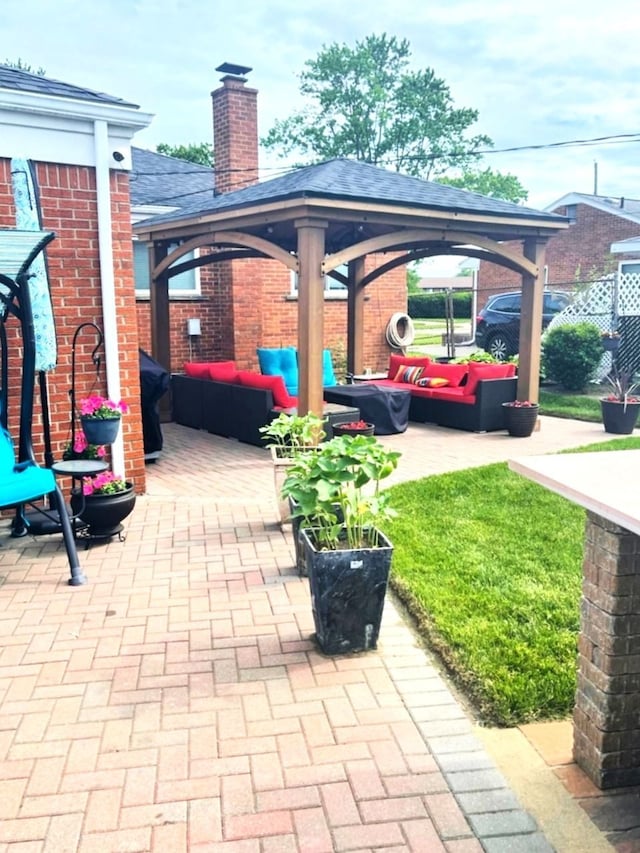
{"points": [[366, 103], [413, 277], [201, 153], [24, 66], [490, 183]]}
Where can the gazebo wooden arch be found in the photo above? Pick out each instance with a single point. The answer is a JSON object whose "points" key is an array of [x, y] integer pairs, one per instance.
{"points": [[318, 218]]}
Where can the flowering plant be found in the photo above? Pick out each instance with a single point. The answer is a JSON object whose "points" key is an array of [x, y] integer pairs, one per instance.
{"points": [[622, 387], [99, 408], [354, 425], [103, 484], [81, 449], [612, 334], [520, 404]]}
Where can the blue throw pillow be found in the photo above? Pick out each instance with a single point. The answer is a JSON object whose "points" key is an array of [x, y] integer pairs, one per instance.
{"points": [[282, 361], [328, 376]]}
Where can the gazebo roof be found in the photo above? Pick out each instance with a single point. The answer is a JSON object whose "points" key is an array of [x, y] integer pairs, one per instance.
{"points": [[357, 182]]}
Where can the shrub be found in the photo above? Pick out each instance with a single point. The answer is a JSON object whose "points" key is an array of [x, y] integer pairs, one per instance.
{"points": [[571, 354], [421, 306]]}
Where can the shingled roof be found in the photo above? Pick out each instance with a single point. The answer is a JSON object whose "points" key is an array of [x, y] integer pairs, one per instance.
{"points": [[162, 180], [25, 81], [352, 180]]}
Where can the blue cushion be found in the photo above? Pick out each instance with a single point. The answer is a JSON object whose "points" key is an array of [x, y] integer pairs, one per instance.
{"points": [[328, 376], [280, 362], [23, 482]]}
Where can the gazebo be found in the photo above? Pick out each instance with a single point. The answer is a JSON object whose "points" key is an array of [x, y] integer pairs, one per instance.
{"points": [[319, 218]]}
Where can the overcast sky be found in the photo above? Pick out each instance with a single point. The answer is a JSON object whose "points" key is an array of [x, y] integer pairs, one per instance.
{"points": [[538, 73]]}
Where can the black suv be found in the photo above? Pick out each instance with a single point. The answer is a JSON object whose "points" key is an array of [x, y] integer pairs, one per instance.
{"points": [[498, 324]]}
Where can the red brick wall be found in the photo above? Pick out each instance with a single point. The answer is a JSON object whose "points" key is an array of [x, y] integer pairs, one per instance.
{"points": [[579, 254], [235, 135], [68, 200]]}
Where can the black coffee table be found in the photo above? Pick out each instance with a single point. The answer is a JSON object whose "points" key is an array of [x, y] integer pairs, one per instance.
{"points": [[386, 408]]}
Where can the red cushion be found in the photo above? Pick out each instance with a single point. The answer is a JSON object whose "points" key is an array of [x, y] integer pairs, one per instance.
{"points": [[200, 369], [396, 360], [275, 384], [223, 372], [455, 373], [479, 370], [455, 394]]}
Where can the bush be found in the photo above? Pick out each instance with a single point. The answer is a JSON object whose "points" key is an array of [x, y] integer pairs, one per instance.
{"points": [[422, 306], [571, 355]]}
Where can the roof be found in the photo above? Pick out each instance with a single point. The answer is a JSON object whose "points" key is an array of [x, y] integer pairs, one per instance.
{"points": [[25, 81], [352, 180], [161, 180], [625, 208]]}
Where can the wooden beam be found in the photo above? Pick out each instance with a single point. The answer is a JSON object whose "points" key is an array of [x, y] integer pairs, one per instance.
{"points": [[355, 317], [160, 321], [531, 323], [311, 249]]}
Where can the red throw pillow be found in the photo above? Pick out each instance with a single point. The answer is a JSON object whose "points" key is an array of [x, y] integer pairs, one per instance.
{"points": [[480, 370], [455, 373], [223, 372], [200, 369], [275, 384], [396, 360]]}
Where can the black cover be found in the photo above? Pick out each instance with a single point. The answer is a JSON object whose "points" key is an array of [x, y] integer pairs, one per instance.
{"points": [[386, 408], [154, 383]]}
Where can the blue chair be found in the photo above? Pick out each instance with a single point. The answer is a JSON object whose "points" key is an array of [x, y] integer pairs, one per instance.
{"points": [[283, 362], [25, 482]]}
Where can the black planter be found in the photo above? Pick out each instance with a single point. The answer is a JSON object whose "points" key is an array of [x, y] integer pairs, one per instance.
{"points": [[100, 430], [103, 514], [618, 418], [520, 420], [296, 521], [348, 588], [339, 429]]}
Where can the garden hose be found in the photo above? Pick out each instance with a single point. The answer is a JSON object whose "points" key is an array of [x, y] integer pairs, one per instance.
{"points": [[400, 331]]}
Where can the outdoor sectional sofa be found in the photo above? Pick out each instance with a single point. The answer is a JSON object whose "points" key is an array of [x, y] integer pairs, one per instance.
{"points": [[462, 396]]}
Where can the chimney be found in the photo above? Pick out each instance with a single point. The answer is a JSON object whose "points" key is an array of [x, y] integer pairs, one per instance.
{"points": [[235, 130]]}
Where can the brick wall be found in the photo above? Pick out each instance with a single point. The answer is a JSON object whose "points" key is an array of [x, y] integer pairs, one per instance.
{"points": [[581, 253], [68, 201]]}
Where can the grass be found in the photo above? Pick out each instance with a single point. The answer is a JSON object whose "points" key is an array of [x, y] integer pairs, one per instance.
{"points": [[490, 566], [582, 407]]}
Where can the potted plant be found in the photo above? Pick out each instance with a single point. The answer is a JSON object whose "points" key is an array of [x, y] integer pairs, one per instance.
{"points": [[520, 417], [100, 419], [287, 436], [103, 503], [620, 408], [336, 494], [81, 449], [354, 428]]}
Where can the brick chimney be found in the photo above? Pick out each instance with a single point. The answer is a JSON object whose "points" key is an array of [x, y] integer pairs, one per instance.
{"points": [[235, 130]]}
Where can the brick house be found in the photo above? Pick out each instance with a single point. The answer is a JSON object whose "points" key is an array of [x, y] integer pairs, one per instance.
{"points": [[581, 253], [71, 134]]}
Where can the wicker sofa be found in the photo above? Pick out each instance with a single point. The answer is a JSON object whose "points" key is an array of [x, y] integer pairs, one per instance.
{"points": [[461, 396]]}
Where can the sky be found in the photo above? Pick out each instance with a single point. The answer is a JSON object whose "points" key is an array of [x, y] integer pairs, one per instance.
{"points": [[539, 73]]}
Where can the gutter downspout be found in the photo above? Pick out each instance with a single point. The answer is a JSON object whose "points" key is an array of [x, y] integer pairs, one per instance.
{"points": [[107, 279]]}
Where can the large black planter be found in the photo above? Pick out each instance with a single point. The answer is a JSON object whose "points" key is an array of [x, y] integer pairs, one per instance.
{"points": [[100, 430], [296, 521], [619, 418], [103, 514], [341, 429], [520, 420], [348, 588]]}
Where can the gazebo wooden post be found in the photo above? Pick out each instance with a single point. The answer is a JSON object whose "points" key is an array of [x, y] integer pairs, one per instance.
{"points": [[311, 252], [160, 318], [355, 317], [531, 322]]}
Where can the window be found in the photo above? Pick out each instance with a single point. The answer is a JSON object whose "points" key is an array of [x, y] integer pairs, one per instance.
{"points": [[507, 304], [627, 267], [332, 289], [185, 284]]}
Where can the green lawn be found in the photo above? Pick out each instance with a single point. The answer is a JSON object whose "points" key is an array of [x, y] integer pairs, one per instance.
{"points": [[490, 566]]}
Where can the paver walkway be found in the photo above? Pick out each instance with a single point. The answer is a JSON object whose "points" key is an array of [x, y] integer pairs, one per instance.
{"points": [[176, 703]]}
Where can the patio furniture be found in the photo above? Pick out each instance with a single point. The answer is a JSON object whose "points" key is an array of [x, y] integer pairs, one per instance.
{"points": [[24, 482], [387, 408]]}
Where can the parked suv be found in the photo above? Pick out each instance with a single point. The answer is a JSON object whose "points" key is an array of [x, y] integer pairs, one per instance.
{"points": [[498, 324]]}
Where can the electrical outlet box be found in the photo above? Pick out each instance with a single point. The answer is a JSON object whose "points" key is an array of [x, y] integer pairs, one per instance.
{"points": [[193, 327]]}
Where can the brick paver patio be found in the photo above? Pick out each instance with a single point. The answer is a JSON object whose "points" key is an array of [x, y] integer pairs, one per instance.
{"points": [[176, 702]]}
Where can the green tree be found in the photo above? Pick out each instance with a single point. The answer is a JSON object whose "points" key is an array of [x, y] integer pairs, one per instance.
{"points": [[24, 66], [490, 183], [201, 153], [365, 102], [413, 277]]}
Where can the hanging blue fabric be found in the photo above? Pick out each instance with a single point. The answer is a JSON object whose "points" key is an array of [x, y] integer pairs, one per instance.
{"points": [[28, 219]]}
